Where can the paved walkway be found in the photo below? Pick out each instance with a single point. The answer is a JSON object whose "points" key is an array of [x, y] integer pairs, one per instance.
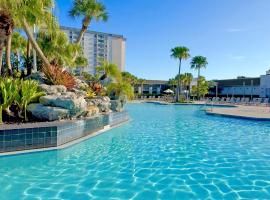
{"points": [[248, 112]]}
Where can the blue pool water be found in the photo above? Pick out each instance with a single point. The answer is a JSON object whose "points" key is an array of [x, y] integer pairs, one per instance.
{"points": [[166, 152]]}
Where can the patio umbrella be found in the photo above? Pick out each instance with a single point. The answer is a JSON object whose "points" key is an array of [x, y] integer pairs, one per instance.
{"points": [[168, 91]]}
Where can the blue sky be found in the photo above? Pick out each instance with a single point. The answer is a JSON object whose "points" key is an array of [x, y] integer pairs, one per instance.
{"points": [[233, 34]]}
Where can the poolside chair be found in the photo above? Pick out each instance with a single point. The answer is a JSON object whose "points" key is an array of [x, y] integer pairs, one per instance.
{"points": [[258, 101], [253, 101], [232, 100], [222, 100], [228, 100], [242, 100], [217, 99], [265, 102], [237, 100], [246, 100]]}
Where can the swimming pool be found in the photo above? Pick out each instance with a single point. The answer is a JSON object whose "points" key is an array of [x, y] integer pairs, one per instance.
{"points": [[165, 152]]}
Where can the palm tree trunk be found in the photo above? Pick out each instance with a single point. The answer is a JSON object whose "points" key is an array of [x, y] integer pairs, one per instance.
{"points": [[198, 84], [1, 60], [178, 92], [85, 25], [28, 54], [86, 22], [31, 38], [8, 50], [189, 90], [18, 60]]}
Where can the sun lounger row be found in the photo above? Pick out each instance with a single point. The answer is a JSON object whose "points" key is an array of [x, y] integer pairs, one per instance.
{"points": [[238, 100], [159, 98]]}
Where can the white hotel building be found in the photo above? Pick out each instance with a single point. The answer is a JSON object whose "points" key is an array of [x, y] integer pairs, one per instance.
{"points": [[99, 46]]}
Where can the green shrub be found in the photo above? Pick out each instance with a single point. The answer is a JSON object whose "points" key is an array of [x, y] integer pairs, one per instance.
{"points": [[28, 92], [8, 92], [17, 92], [120, 89]]}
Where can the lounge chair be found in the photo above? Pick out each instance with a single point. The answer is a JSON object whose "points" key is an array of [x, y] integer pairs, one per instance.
{"points": [[232, 100], [265, 102], [222, 100], [237, 100], [228, 100]]}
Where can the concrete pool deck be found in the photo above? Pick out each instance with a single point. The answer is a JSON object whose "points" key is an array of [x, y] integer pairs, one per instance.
{"points": [[261, 113], [244, 112]]}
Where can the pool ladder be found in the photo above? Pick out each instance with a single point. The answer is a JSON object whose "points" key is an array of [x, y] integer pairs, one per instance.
{"points": [[204, 107]]}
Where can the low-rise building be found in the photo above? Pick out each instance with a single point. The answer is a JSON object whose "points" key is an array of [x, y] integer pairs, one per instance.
{"points": [[242, 87], [158, 86]]}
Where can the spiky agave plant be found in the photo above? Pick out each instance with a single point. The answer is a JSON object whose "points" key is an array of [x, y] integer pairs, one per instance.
{"points": [[28, 92]]}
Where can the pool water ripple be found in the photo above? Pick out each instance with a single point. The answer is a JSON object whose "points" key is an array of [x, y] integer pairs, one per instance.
{"points": [[166, 152]]}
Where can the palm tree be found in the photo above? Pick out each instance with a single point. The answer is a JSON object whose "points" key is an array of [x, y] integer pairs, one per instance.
{"points": [[6, 29], [187, 78], [18, 46], [109, 70], [56, 47], [197, 63], [89, 9], [130, 78], [27, 13], [181, 53], [141, 81]]}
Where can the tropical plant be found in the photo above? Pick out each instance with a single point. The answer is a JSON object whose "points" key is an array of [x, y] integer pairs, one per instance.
{"points": [[26, 14], [201, 89], [28, 92], [108, 70], [57, 48], [56, 75], [18, 47], [97, 88], [8, 92], [197, 63], [120, 90], [89, 10], [141, 81], [89, 92], [181, 53], [186, 80], [130, 78]]}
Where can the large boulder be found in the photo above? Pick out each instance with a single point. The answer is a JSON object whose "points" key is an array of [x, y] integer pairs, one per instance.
{"points": [[117, 105], [92, 111], [79, 93], [53, 89], [76, 105], [103, 103], [80, 83], [47, 113]]}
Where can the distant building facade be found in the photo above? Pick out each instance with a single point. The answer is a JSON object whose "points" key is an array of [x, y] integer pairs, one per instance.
{"points": [[151, 87], [157, 87], [99, 46], [243, 87]]}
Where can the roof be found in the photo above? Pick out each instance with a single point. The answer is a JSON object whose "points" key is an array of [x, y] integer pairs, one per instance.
{"points": [[156, 82], [93, 32], [238, 82]]}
